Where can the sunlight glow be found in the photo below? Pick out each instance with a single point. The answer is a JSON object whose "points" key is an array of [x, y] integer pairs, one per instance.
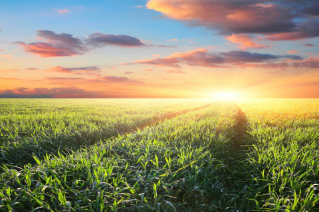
{"points": [[226, 95]]}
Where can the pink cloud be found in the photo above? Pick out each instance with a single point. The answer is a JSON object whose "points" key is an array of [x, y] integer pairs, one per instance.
{"points": [[202, 57], [55, 45], [88, 70], [246, 42], [175, 40], [70, 92], [59, 45], [47, 50], [129, 72], [309, 63], [287, 36], [62, 11], [227, 16], [91, 82], [284, 19]]}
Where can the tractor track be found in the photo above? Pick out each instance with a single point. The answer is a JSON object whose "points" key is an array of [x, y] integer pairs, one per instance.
{"points": [[168, 116]]}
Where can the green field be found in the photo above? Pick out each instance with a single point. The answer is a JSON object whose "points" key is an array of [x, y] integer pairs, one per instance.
{"points": [[159, 155]]}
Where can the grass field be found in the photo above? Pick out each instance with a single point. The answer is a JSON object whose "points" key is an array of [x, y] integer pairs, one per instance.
{"points": [[159, 155]]}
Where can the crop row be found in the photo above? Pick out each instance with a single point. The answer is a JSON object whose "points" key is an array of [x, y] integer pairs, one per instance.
{"points": [[40, 127], [172, 166], [283, 159]]}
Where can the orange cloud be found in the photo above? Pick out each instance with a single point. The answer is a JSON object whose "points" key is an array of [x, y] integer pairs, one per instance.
{"points": [[293, 51], [7, 56], [246, 41], [149, 69], [30, 69], [175, 72], [156, 55], [9, 69]]}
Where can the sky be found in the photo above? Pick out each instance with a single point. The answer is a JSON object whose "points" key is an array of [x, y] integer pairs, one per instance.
{"points": [[159, 48]]}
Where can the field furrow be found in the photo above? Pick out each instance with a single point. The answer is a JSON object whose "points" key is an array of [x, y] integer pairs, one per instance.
{"points": [[170, 166], [43, 128], [160, 155]]}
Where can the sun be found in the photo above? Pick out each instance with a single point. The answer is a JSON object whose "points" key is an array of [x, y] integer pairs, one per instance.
{"points": [[226, 95]]}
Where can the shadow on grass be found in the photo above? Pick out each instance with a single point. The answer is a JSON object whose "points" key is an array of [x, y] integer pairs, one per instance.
{"points": [[237, 177]]}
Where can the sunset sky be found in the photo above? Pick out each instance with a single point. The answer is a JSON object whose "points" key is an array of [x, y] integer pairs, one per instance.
{"points": [[159, 48]]}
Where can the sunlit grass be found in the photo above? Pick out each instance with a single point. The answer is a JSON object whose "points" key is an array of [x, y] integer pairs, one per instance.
{"points": [[255, 155]]}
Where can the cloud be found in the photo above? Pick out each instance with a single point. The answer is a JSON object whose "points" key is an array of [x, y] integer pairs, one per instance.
{"points": [[308, 45], [279, 19], [7, 56], [164, 46], [88, 70], [307, 29], [30, 69], [175, 40], [55, 45], [293, 51], [8, 69], [115, 79], [228, 16], [246, 41], [175, 72], [156, 55], [48, 92], [149, 69], [309, 63], [202, 57], [99, 40], [139, 6], [129, 72], [62, 11], [192, 42], [96, 81], [52, 44]]}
